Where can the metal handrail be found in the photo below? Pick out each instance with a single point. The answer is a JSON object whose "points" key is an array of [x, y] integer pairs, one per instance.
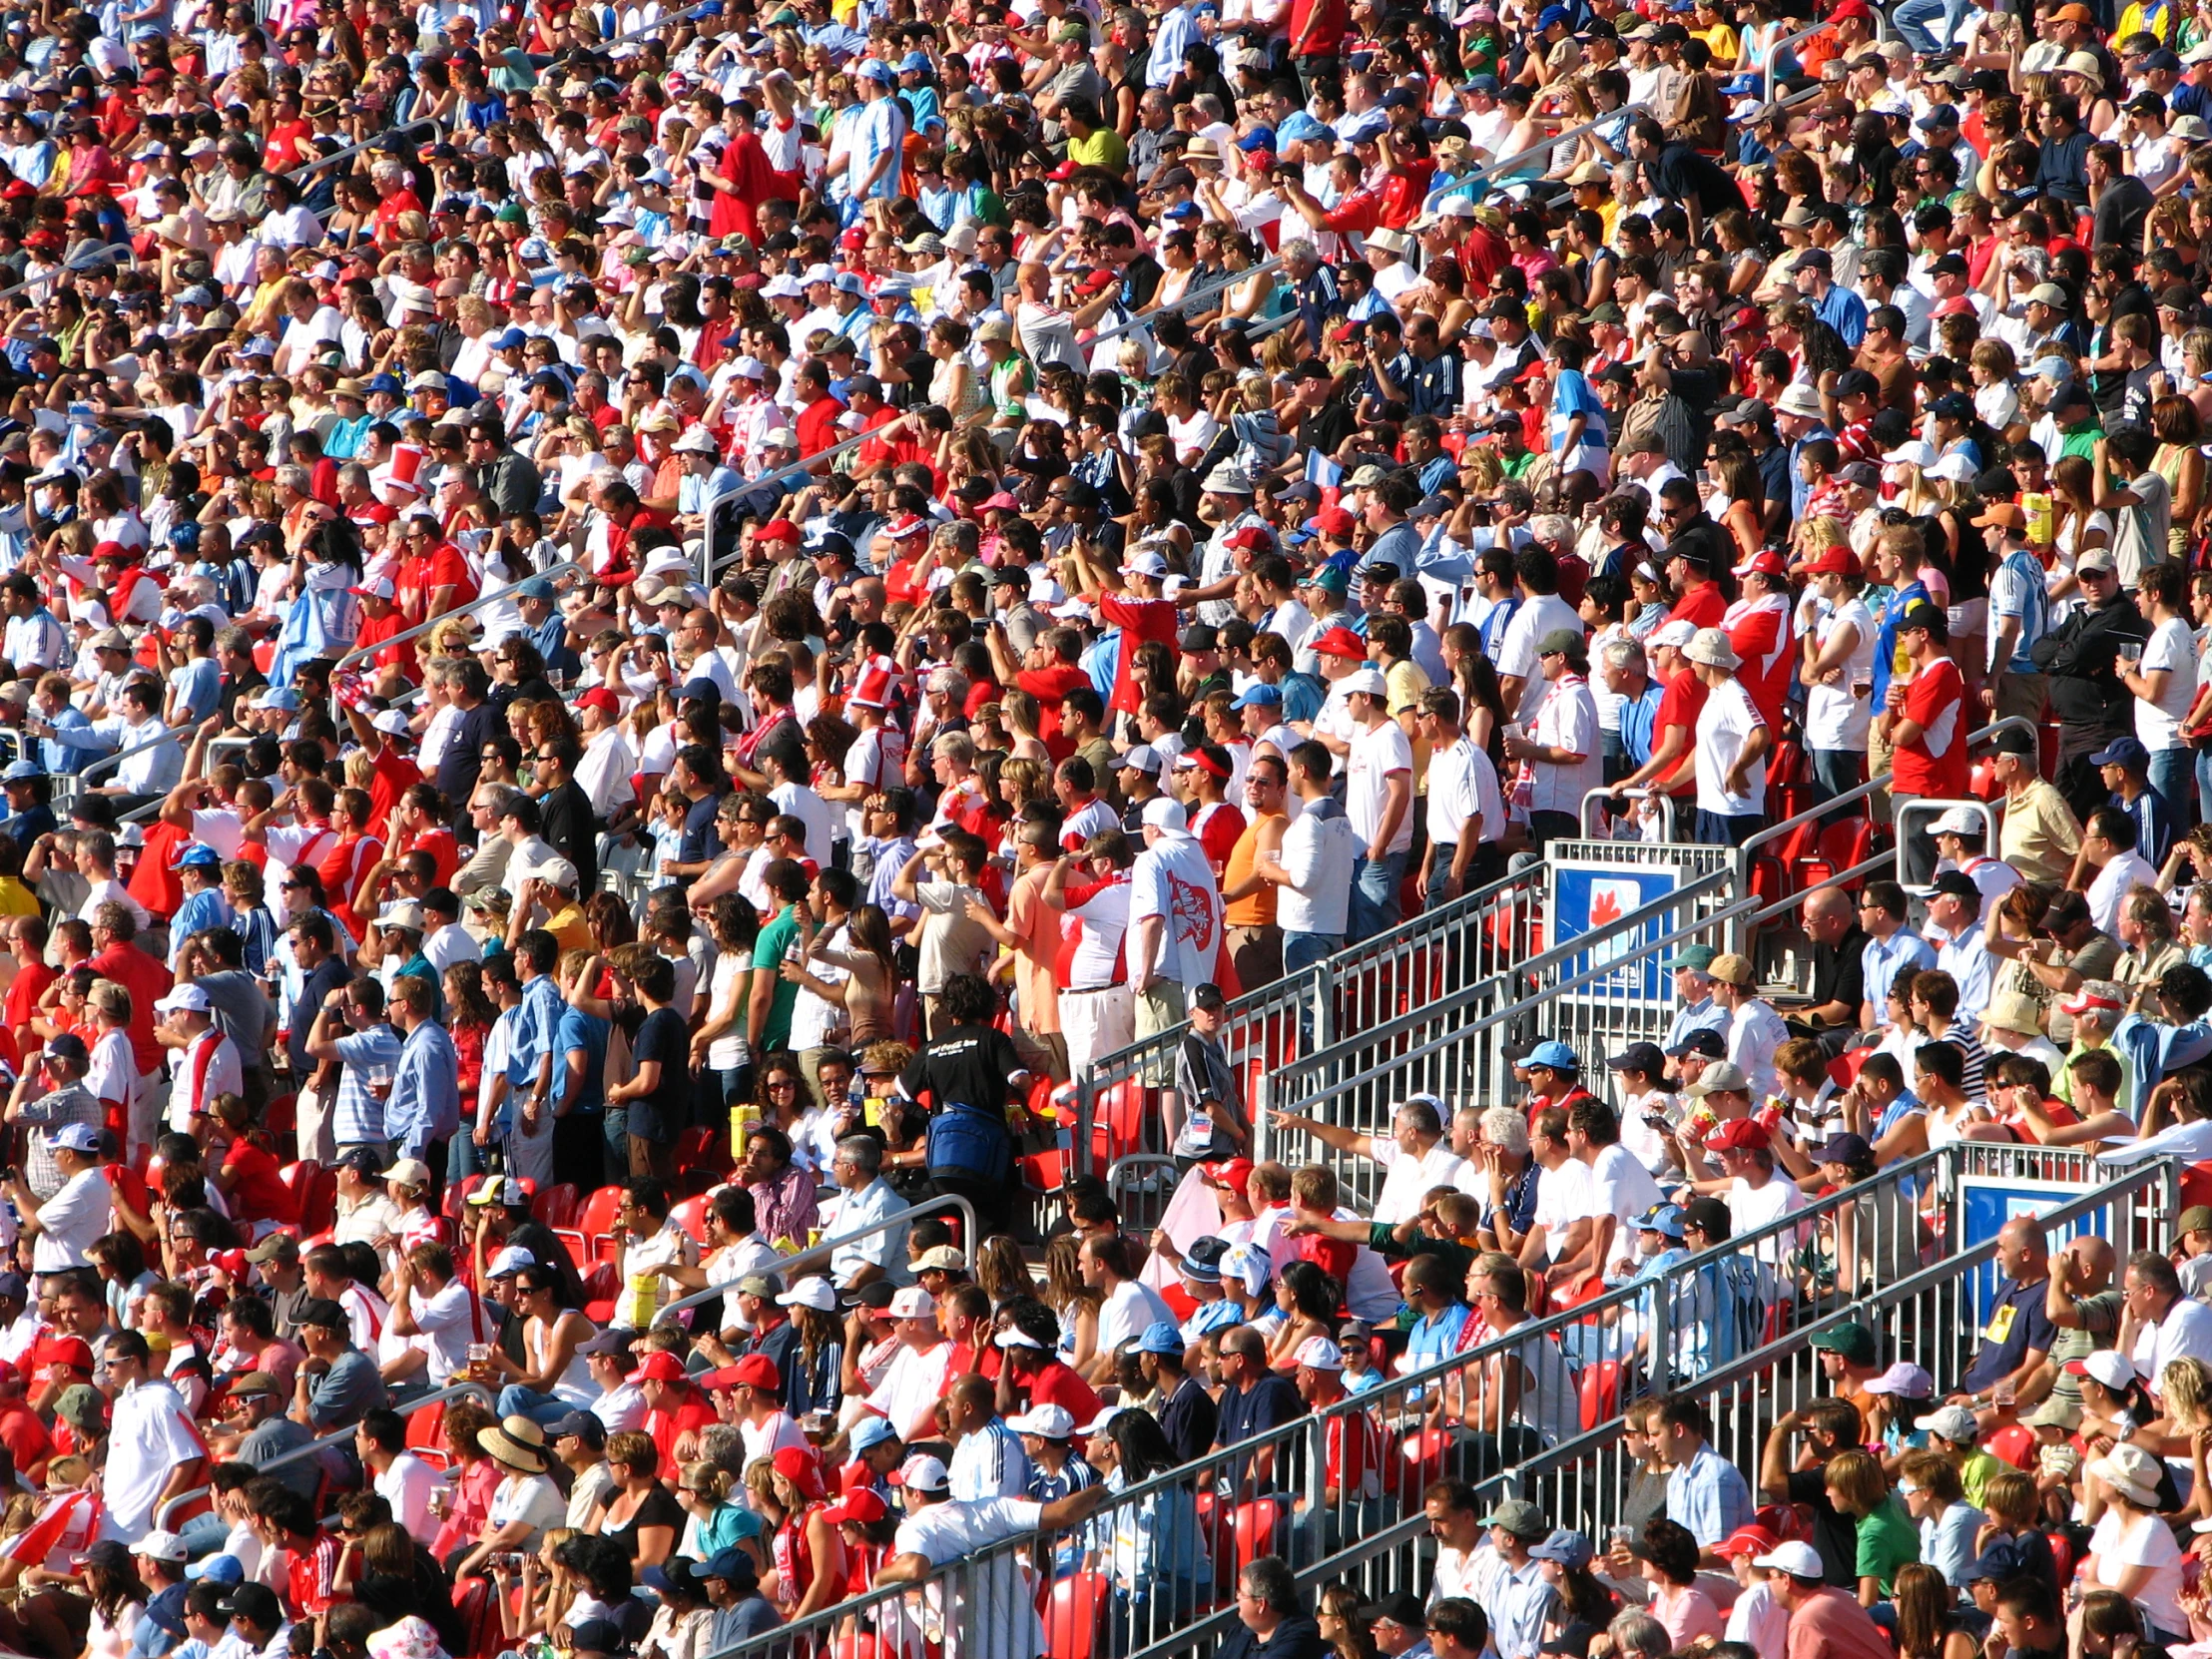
{"points": [[1765, 74], [1606, 792], [830, 1246], [323, 1442], [1859, 791], [76, 267], [180, 733], [656, 26], [1544, 146], [1398, 1060], [807, 464], [483, 601], [319, 163], [1302, 1425]]}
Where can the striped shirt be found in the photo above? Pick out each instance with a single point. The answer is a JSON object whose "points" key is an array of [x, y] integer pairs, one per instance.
{"points": [[369, 1059], [989, 1463]]}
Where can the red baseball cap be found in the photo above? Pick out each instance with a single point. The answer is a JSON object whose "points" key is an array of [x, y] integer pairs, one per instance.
{"points": [[1767, 562], [1229, 1173], [600, 696], [862, 1506], [1837, 561], [1747, 1540], [1251, 539], [660, 1366], [1735, 1135], [756, 1371], [1341, 642], [73, 1352], [1332, 521], [776, 529]]}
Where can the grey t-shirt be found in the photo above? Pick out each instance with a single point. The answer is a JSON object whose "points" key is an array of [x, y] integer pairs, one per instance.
{"points": [[347, 1393], [271, 1441]]}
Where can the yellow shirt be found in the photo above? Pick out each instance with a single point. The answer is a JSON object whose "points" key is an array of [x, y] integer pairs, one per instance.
{"points": [[16, 900], [1104, 147], [570, 929], [2040, 835]]}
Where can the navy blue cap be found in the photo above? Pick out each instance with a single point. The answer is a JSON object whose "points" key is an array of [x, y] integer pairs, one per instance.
{"points": [[2121, 752]]}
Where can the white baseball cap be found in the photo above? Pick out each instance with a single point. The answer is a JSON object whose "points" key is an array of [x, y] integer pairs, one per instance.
{"points": [[1797, 1559], [925, 1475], [1055, 1422], [1319, 1353], [1162, 814], [1369, 680], [914, 1303]]}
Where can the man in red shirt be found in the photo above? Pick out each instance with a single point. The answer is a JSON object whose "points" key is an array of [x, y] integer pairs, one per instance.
{"points": [[673, 1409], [1758, 628], [1673, 763], [819, 414], [116, 958], [1034, 1376], [27, 941], [1135, 606], [1317, 30], [1926, 714], [1354, 1450]]}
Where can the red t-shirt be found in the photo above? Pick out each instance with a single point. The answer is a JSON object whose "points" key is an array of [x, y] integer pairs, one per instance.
{"points": [[448, 569], [1139, 620], [1680, 705], [1332, 21], [1935, 762], [667, 1427], [1057, 1385], [374, 629], [147, 981], [1224, 825], [1702, 607], [24, 991], [394, 775], [1759, 632], [439, 844], [261, 1194], [24, 1435], [1333, 1256], [311, 1577], [1049, 686]]}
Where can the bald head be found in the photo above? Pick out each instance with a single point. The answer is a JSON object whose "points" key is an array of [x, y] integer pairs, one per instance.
{"points": [[975, 1396], [1829, 912], [1242, 1342]]}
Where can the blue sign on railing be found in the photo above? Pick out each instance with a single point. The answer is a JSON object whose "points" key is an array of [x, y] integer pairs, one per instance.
{"points": [[1591, 897]]}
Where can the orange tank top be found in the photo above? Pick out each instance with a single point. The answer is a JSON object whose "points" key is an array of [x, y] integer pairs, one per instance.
{"points": [[1256, 907]]}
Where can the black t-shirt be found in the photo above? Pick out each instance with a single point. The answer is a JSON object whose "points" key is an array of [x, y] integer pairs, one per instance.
{"points": [[667, 1038], [1188, 1418], [970, 1064], [1840, 971], [1835, 1535], [1681, 172]]}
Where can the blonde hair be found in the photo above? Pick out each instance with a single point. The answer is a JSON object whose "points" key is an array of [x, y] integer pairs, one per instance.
{"points": [[2186, 1387]]}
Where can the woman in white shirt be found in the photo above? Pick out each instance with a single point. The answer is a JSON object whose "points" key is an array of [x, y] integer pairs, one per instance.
{"points": [[555, 1378], [2133, 1551]]}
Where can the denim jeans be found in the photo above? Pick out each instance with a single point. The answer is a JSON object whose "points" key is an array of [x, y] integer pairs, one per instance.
{"points": [[2170, 770], [1836, 772], [1302, 950], [1912, 17], [2204, 785], [515, 1400], [1374, 885]]}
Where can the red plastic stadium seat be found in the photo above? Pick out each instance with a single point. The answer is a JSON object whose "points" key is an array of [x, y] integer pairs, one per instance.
{"points": [[456, 1195], [2196, 1185], [1601, 1392], [426, 1428], [1256, 1524], [591, 1240], [691, 1216], [601, 1286], [2015, 1444], [1072, 1612], [557, 1205]]}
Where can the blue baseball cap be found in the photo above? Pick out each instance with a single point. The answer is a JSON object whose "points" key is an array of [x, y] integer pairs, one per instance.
{"points": [[513, 341], [2121, 752], [19, 772], [1260, 138], [1554, 14], [1301, 127], [1259, 695], [218, 1569], [1555, 1054], [915, 63], [278, 696], [199, 855], [872, 1431], [386, 383], [1661, 1217], [1159, 1338], [875, 69]]}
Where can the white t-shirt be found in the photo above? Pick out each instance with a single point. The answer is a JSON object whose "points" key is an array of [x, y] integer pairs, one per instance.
{"points": [[1378, 753], [1127, 1309], [1723, 726], [911, 1384], [2122, 1540], [2173, 648], [1562, 1199], [1836, 717], [407, 1486], [1172, 881], [1750, 1207], [1410, 1177], [1567, 720], [1516, 653], [1461, 783], [1620, 1186]]}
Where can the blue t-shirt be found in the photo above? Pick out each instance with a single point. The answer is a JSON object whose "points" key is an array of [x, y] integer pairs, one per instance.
{"points": [[589, 1033], [200, 683], [1572, 395]]}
